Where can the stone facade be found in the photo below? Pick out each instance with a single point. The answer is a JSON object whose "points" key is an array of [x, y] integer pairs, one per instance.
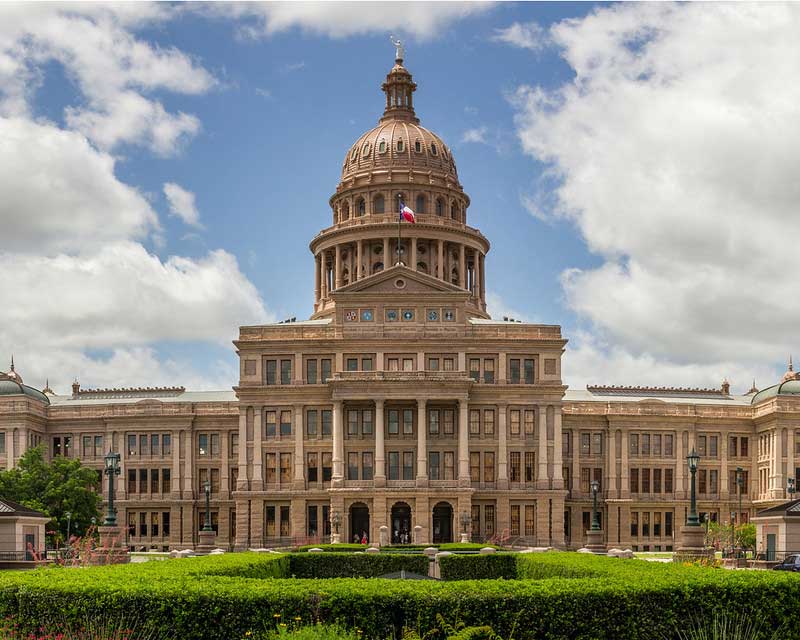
{"points": [[401, 404]]}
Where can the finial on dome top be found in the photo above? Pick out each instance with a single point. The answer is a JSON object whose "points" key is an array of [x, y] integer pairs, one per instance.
{"points": [[790, 373], [754, 388], [399, 51], [47, 390], [791, 368], [12, 361]]}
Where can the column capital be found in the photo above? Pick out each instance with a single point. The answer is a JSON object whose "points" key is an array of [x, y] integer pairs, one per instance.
{"points": [[379, 402]]}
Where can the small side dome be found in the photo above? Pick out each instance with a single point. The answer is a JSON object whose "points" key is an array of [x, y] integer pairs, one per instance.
{"points": [[11, 385]]}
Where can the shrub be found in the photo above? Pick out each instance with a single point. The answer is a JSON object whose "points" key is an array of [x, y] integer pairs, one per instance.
{"points": [[351, 565], [479, 567]]}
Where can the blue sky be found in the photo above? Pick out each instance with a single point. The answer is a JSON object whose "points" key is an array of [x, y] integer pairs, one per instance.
{"points": [[563, 118]]}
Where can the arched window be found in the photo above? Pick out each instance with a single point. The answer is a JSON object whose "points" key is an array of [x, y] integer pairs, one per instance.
{"points": [[439, 207], [418, 146], [365, 149], [420, 204], [382, 146], [454, 211], [345, 211], [422, 266], [434, 150], [378, 204], [400, 146], [353, 154], [378, 266], [362, 207]]}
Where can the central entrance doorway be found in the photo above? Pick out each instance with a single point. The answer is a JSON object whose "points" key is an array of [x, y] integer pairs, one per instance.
{"points": [[401, 523], [359, 522], [442, 523]]}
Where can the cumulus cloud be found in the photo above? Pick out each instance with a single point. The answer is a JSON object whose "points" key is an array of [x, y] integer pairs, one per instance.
{"points": [[342, 19], [182, 204], [477, 135], [525, 35], [674, 150]]}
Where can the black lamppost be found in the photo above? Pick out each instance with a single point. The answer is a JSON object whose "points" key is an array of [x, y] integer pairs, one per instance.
{"points": [[791, 489], [740, 487], [69, 523], [692, 459], [595, 486], [207, 490], [111, 469]]}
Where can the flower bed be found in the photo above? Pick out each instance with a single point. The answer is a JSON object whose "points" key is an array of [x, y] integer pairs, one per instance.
{"points": [[555, 596]]}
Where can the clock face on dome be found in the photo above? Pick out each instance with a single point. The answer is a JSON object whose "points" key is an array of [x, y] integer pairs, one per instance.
{"points": [[408, 314]]}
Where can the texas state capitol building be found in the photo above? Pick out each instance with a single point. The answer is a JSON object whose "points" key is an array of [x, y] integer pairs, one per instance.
{"points": [[401, 404]]}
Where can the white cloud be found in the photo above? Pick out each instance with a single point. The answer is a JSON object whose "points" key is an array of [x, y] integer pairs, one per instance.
{"points": [[675, 148], [498, 308], [342, 19], [525, 35], [293, 66], [182, 204], [477, 135], [61, 194], [264, 93]]}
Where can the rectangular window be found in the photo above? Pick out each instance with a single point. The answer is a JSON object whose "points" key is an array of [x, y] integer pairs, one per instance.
{"points": [[143, 445], [449, 465], [326, 369], [656, 480], [668, 440], [352, 422], [646, 524], [366, 364], [598, 478], [394, 422], [408, 421], [597, 444], [202, 444], [448, 364], [530, 459], [366, 422], [667, 480], [514, 519], [352, 465], [366, 465], [586, 478], [475, 466], [165, 481], [668, 523], [513, 466], [408, 465], [327, 466], [433, 422], [165, 523], [155, 449], [215, 449], [530, 520], [474, 422], [154, 484], [215, 486], [2, 442], [488, 466], [586, 441], [488, 421], [433, 364], [514, 422], [352, 364], [327, 421], [657, 524], [488, 513], [269, 516], [566, 440], [656, 445], [394, 465], [476, 520], [311, 422], [701, 445], [488, 370], [285, 521], [270, 466], [166, 444], [634, 478], [286, 423], [475, 369], [87, 446], [131, 480], [732, 442], [394, 364], [312, 468], [515, 371], [712, 446], [271, 423], [286, 467], [311, 521], [634, 444], [634, 524], [702, 486], [234, 445], [271, 372], [448, 418], [713, 481], [311, 372], [645, 444], [408, 364], [530, 422], [433, 465], [286, 371], [528, 364], [143, 523], [743, 447], [645, 477], [142, 480]]}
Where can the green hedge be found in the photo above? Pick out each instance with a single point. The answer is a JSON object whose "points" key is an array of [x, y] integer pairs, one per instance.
{"points": [[353, 565], [479, 567], [446, 546], [223, 597]]}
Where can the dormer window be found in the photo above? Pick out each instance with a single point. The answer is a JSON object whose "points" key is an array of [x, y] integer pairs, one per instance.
{"points": [[400, 146], [365, 150], [418, 146], [353, 155], [382, 146], [434, 150]]}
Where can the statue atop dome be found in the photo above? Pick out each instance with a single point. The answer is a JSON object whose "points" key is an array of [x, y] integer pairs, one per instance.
{"points": [[399, 52]]}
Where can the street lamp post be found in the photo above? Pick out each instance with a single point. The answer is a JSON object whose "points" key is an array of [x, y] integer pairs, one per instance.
{"points": [[692, 544], [112, 469], [69, 523], [693, 459], [739, 487], [791, 488], [207, 534], [594, 536], [595, 486]]}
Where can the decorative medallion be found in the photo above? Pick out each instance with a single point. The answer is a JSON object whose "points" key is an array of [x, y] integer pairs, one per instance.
{"points": [[391, 315], [366, 315], [400, 283], [449, 315], [433, 315], [350, 315], [408, 314]]}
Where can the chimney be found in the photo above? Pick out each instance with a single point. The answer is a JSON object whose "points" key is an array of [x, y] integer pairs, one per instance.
{"points": [[76, 388], [726, 387]]}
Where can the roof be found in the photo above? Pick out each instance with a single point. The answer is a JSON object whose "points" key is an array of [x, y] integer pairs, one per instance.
{"points": [[107, 398], [791, 508], [788, 388], [10, 508], [9, 387], [642, 394]]}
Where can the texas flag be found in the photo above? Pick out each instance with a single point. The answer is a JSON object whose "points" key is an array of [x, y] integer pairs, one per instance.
{"points": [[406, 213]]}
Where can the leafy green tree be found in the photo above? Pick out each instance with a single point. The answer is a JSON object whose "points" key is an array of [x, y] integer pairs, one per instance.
{"points": [[746, 535], [55, 488]]}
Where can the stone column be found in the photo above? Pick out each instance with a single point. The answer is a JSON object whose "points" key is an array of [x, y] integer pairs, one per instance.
{"points": [[680, 471], [482, 280], [224, 484], [317, 278], [380, 447], [9, 448], [241, 483], [337, 267], [611, 465], [258, 449], [502, 447], [462, 267], [338, 446], [624, 479], [299, 453], [440, 266], [422, 444], [477, 288], [23, 444], [501, 368], [462, 361], [386, 258], [413, 264], [379, 364], [778, 484], [576, 465], [541, 475], [558, 472], [724, 491], [188, 470], [360, 259], [298, 376], [789, 454], [463, 443]]}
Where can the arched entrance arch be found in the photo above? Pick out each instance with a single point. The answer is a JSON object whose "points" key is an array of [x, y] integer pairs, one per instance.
{"points": [[442, 522], [359, 522], [401, 523]]}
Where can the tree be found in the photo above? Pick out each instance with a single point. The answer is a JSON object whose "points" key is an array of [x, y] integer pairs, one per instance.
{"points": [[746, 535], [55, 488]]}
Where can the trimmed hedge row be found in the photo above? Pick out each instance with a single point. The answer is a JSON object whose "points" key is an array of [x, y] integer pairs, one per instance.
{"points": [[353, 565], [445, 546], [479, 567], [223, 597]]}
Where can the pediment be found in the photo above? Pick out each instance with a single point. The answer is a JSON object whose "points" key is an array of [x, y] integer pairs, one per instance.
{"points": [[400, 279]]}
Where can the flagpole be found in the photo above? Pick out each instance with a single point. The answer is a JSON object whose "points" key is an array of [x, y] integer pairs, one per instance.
{"points": [[399, 220]]}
